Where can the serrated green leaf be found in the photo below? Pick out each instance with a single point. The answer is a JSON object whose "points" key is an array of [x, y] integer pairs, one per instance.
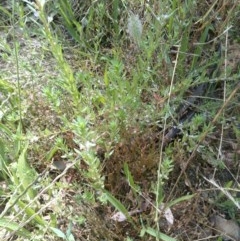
{"points": [[25, 173]]}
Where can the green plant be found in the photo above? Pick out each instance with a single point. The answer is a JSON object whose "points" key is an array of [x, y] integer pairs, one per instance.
{"points": [[101, 98], [68, 236]]}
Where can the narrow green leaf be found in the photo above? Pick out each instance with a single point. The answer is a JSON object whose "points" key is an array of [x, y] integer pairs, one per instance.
{"points": [[69, 229], [30, 212], [71, 238], [2, 151], [4, 173], [18, 140], [199, 48], [51, 153], [117, 204], [6, 130], [183, 50], [130, 179], [106, 79], [159, 235], [69, 20], [181, 199], [13, 226], [58, 232]]}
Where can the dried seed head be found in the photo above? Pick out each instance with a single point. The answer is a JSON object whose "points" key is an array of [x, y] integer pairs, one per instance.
{"points": [[134, 28]]}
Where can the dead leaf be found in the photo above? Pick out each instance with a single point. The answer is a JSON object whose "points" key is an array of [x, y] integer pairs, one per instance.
{"points": [[120, 217], [167, 213], [228, 228]]}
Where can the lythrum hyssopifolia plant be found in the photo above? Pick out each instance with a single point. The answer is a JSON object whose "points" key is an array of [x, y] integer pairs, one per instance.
{"points": [[116, 88]]}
